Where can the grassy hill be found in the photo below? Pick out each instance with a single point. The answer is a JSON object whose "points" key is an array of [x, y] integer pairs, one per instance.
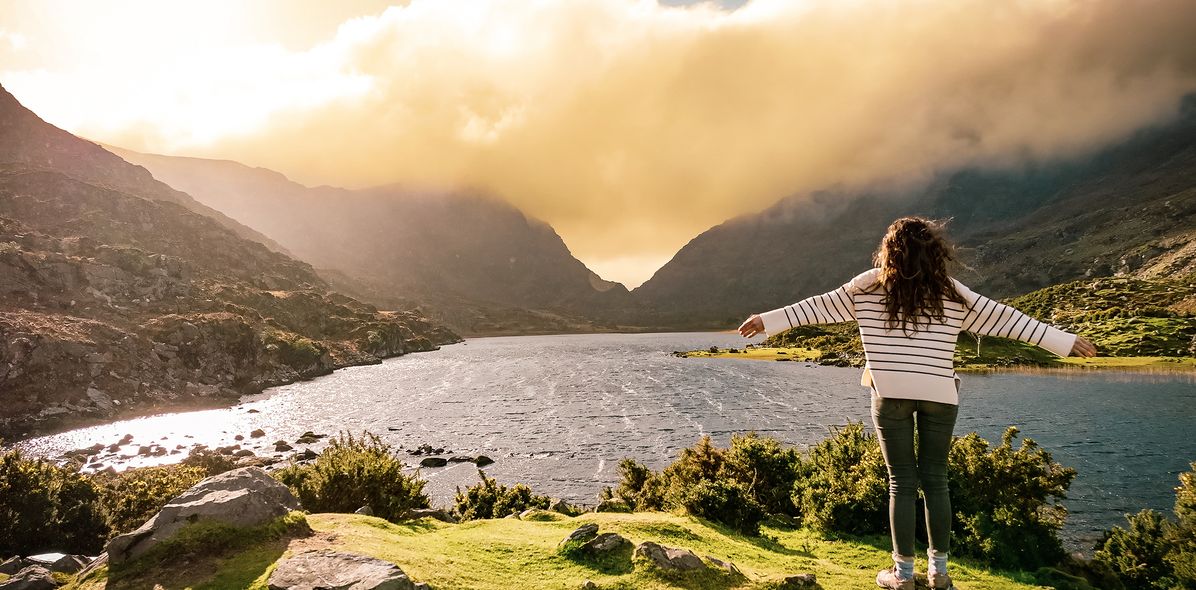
{"points": [[511, 553]]}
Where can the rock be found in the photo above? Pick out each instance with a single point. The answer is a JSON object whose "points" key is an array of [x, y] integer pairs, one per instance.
{"points": [[324, 569], [243, 453], [433, 462], [437, 513], [143, 450], [283, 447], [726, 566], [34, 577], [605, 544], [482, 460], [239, 437], [668, 558], [563, 507], [798, 581], [422, 586], [460, 459], [253, 411], [257, 433], [308, 455], [59, 562], [589, 585], [242, 497], [12, 565], [581, 534], [126, 439], [364, 510]]}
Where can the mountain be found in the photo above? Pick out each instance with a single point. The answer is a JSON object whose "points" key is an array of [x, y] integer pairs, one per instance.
{"points": [[472, 260], [120, 295], [1129, 208]]}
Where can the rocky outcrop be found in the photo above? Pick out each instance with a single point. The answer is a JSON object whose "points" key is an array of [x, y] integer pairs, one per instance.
{"points": [[322, 569], [34, 577], [119, 299], [669, 558], [243, 497]]}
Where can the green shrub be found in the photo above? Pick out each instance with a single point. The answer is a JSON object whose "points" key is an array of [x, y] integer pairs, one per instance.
{"points": [[44, 507], [354, 472], [639, 488], [1154, 552], [766, 469], [132, 497], [489, 499], [1006, 501], [724, 501], [842, 484]]}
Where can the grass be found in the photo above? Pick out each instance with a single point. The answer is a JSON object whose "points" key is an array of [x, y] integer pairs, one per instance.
{"points": [[508, 553]]}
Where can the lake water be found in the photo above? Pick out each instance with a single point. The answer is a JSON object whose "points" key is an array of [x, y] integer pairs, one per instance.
{"points": [[559, 412]]}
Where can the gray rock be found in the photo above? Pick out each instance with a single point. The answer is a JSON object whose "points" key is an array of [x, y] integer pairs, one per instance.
{"points": [[437, 513], [364, 510], [589, 585], [12, 565], [34, 577], [726, 566], [433, 462], [242, 497], [323, 569], [563, 507], [59, 562], [668, 558], [798, 581], [605, 544], [581, 534], [482, 460]]}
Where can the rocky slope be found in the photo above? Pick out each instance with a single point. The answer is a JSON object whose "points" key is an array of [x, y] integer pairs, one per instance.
{"points": [[473, 261], [120, 296], [1129, 209]]}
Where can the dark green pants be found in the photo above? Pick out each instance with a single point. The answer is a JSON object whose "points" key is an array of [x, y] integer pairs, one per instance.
{"points": [[895, 421]]}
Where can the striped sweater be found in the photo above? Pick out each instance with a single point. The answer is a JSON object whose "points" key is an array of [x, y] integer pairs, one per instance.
{"points": [[918, 364]]}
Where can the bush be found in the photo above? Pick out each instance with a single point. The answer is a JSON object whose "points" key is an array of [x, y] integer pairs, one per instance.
{"points": [[639, 488], [489, 499], [1154, 552], [355, 472], [726, 502], [133, 497], [842, 484], [1005, 501], [766, 469], [44, 507]]}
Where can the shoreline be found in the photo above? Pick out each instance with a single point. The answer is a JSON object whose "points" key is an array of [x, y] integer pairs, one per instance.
{"points": [[1129, 364]]}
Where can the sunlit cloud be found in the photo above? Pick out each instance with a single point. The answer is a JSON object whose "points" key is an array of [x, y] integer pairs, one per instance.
{"points": [[631, 125]]}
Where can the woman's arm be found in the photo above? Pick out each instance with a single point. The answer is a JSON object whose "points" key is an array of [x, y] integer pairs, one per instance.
{"points": [[985, 316], [831, 307]]}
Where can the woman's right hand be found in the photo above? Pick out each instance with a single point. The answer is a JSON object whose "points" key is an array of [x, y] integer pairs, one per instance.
{"points": [[751, 326], [1083, 347]]}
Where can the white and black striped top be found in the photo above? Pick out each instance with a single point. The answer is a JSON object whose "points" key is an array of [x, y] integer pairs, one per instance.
{"points": [[917, 364]]}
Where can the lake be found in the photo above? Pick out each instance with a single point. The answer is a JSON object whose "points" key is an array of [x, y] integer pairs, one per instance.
{"points": [[559, 412]]}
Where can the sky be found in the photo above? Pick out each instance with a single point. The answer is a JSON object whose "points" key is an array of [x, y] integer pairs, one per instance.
{"points": [[629, 125]]}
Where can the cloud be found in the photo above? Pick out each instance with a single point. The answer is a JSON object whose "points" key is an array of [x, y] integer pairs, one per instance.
{"points": [[632, 126]]}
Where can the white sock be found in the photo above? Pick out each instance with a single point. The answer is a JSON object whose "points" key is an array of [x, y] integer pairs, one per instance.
{"points": [[905, 566], [937, 562]]}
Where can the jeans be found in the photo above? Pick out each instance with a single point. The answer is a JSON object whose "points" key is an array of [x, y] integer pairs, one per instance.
{"points": [[895, 421]]}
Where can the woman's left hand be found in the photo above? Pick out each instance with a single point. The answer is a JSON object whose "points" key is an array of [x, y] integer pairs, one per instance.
{"points": [[751, 326]]}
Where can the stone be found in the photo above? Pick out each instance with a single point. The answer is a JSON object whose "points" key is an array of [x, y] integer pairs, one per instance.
{"points": [[605, 544], [242, 497], [437, 513], [581, 534], [726, 566], [283, 447], [589, 585], [668, 558], [482, 461], [12, 565], [364, 510], [308, 455], [422, 586], [59, 562], [324, 569], [563, 507], [460, 459], [243, 453], [433, 462], [798, 581], [34, 577], [258, 433]]}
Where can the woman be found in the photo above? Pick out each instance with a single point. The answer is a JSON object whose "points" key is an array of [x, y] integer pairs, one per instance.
{"points": [[910, 313]]}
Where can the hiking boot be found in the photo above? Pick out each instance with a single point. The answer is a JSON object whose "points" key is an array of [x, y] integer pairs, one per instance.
{"points": [[940, 582], [888, 578]]}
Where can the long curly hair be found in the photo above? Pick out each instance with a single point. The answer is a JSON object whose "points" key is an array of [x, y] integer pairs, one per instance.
{"points": [[912, 258]]}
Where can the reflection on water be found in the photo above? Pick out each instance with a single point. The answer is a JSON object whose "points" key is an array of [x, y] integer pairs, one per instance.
{"points": [[559, 412]]}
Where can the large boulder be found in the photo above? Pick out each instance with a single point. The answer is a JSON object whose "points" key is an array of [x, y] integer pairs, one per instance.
{"points": [[59, 562], [668, 558], [581, 534], [605, 544], [244, 497], [320, 569], [12, 565], [34, 577]]}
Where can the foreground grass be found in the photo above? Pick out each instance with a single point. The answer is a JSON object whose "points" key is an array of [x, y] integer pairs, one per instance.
{"points": [[508, 553]]}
